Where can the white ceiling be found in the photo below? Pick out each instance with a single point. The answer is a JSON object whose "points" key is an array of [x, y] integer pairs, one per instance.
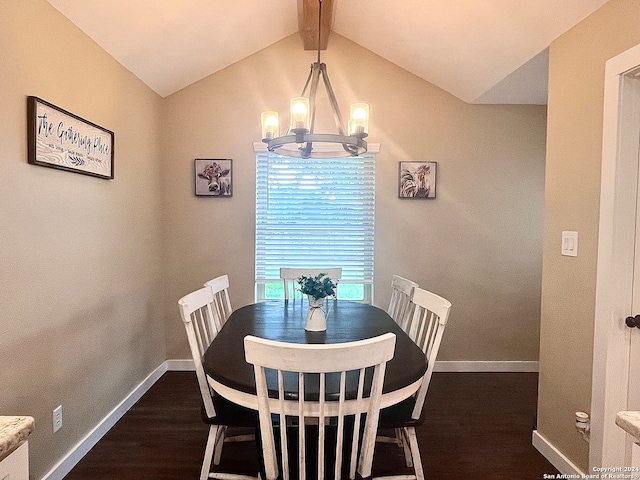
{"points": [[487, 51]]}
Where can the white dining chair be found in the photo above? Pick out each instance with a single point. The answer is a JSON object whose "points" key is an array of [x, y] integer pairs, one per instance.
{"points": [[324, 367], [221, 303], [290, 276], [426, 325], [197, 312], [400, 302]]}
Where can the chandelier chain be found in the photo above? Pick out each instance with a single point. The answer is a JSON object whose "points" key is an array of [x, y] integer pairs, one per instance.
{"points": [[319, 27]]}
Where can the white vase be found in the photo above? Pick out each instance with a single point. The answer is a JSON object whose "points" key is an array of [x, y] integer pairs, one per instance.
{"points": [[316, 320]]}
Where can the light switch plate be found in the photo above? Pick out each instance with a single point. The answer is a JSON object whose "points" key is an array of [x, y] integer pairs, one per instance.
{"points": [[57, 418], [570, 244]]}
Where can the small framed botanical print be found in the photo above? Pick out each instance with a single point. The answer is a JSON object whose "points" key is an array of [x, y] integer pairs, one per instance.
{"points": [[417, 180], [214, 177]]}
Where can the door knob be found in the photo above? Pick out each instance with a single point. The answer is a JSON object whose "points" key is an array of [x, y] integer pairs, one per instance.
{"points": [[633, 321]]}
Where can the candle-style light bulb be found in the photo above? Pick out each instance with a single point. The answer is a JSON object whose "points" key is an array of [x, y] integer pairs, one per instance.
{"points": [[270, 125], [359, 122], [300, 113]]}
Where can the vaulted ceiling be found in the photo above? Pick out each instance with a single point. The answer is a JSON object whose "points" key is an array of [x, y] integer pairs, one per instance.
{"points": [[488, 51]]}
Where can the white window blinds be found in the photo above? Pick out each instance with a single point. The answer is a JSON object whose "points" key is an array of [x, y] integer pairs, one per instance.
{"points": [[315, 213]]}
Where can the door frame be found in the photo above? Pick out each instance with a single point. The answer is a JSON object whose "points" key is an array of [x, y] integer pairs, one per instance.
{"points": [[616, 247]]}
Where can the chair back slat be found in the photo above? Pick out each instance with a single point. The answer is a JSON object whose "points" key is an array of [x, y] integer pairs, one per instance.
{"points": [[221, 304], [290, 276], [199, 322], [426, 327], [400, 306], [314, 364]]}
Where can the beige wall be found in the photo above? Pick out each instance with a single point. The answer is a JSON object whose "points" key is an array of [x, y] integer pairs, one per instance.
{"points": [[574, 148], [80, 277], [92, 268], [82, 258], [478, 244]]}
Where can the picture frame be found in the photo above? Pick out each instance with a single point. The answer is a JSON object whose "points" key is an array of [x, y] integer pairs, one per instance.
{"points": [[417, 180], [214, 177], [60, 139]]}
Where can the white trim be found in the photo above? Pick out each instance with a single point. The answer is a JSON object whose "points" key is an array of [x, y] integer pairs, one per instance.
{"points": [[441, 366], [177, 365], [488, 366], [70, 460], [262, 147], [555, 457], [614, 276]]}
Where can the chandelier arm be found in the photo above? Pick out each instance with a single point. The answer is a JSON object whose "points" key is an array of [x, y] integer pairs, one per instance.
{"points": [[351, 146], [332, 100], [306, 84], [305, 149], [315, 70], [350, 149]]}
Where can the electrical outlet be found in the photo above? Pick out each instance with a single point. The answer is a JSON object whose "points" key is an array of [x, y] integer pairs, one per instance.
{"points": [[57, 418]]}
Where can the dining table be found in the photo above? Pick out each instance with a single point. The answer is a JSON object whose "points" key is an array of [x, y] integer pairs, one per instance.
{"points": [[232, 377]]}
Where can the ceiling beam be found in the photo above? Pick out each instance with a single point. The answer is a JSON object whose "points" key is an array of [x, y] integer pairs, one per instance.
{"points": [[308, 23]]}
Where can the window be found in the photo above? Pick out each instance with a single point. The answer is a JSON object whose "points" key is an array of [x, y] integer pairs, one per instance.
{"points": [[315, 213]]}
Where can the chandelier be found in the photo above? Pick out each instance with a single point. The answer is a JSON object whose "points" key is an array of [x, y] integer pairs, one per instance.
{"points": [[301, 137]]}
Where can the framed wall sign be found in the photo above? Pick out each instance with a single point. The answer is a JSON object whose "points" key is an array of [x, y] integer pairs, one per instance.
{"points": [[60, 139], [214, 177], [417, 180]]}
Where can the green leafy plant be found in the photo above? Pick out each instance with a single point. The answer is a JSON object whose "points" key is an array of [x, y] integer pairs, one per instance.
{"points": [[318, 287]]}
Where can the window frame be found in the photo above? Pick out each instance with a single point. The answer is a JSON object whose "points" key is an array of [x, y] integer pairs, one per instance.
{"points": [[367, 224]]}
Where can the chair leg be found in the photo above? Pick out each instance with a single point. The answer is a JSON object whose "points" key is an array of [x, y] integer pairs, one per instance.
{"points": [[208, 452], [415, 452], [403, 435], [398, 435], [222, 431]]}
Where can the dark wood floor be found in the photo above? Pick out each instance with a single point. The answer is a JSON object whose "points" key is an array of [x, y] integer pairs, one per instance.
{"points": [[477, 426]]}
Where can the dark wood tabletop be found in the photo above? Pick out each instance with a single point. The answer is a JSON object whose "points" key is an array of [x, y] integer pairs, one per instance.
{"points": [[347, 321]]}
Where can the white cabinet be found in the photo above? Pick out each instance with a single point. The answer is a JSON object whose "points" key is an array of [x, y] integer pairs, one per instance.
{"points": [[16, 465], [635, 459]]}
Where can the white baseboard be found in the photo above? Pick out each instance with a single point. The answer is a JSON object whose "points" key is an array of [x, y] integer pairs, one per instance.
{"points": [[180, 365], [489, 366], [555, 457], [442, 366], [62, 468]]}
